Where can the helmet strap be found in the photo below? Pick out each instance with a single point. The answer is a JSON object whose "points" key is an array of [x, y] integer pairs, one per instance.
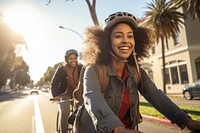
{"points": [[136, 62], [117, 58]]}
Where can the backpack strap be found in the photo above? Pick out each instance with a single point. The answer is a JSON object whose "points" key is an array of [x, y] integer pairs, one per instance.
{"points": [[103, 77], [137, 77], [77, 94]]}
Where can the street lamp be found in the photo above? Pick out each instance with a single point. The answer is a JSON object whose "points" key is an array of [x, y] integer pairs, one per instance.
{"points": [[14, 77], [62, 27]]}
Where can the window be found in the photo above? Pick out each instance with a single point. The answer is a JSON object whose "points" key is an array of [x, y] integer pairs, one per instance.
{"points": [[183, 74], [174, 75], [165, 43], [150, 73], [176, 72], [147, 68], [176, 39], [197, 63], [167, 79]]}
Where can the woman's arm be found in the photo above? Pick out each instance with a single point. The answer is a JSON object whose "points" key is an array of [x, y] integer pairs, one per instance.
{"points": [[161, 102], [59, 81], [102, 116]]}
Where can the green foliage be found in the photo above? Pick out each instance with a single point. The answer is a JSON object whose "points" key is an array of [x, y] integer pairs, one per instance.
{"points": [[164, 18], [193, 111], [9, 40], [46, 79], [147, 109], [49, 74], [22, 78], [192, 7]]}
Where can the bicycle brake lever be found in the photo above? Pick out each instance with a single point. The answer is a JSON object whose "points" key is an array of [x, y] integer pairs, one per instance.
{"points": [[195, 131], [61, 100]]}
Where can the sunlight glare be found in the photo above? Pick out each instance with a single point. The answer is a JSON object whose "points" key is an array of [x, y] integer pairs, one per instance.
{"points": [[32, 26], [46, 42], [18, 18]]}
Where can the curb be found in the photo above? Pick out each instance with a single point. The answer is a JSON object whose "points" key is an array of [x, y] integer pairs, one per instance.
{"points": [[160, 120]]}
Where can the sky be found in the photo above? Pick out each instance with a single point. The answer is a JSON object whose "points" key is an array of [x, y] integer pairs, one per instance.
{"points": [[39, 24]]}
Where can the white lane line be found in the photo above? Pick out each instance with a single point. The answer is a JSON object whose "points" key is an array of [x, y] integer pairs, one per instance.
{"points": [[38, 118], [33, 124]]}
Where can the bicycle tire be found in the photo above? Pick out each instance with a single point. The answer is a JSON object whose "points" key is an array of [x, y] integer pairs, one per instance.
{"points": [[70, 130], [58, 126], [70, 126]]}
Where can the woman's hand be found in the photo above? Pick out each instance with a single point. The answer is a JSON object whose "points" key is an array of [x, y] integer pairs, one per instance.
{"points": [[57, 98], [122, 129], [191, 124]]}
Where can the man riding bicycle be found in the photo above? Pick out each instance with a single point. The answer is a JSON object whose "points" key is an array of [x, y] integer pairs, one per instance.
{"points": [[64, 82]]}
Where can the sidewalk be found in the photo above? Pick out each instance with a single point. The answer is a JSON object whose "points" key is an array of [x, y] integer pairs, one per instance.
{"points": [[161, 120], [178, 95], [164, 122]]}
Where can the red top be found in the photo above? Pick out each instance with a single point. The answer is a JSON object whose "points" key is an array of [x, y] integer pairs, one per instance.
{"points": [[125, 104]]}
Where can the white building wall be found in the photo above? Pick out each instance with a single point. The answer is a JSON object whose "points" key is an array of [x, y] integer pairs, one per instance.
{"points": [[188, 50]]}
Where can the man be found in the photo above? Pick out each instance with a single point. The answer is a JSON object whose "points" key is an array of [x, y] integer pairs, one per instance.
{"points": [[64, 82]]}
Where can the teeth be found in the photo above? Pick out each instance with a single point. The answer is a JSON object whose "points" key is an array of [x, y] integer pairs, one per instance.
{"points": [[124, 48]]}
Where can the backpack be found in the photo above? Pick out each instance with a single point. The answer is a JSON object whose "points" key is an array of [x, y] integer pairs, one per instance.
{"points": [[104, 80]]}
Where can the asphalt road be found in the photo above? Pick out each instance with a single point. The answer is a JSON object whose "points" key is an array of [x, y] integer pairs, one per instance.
{"points": [[24, 113]]}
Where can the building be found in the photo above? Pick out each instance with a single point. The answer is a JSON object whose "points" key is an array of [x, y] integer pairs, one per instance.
{"points": [[182, 59]]}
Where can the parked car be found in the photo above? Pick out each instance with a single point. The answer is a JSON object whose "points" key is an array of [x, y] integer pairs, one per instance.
{"points": [[34, 91], [191, 91], [45, 90]]}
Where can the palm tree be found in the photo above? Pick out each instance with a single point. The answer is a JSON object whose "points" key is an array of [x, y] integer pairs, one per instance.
{"points": [[192, 7], [165, 20]]}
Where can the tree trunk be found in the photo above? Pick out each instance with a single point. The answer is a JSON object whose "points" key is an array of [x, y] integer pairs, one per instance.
{"points": [[93, 14], [163, 61]]}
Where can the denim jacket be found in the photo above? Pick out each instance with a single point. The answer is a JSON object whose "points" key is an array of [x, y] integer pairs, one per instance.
{"points": [[99, 112]]}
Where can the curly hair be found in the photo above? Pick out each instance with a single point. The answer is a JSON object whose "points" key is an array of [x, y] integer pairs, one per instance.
{"points": [[98, 45]]}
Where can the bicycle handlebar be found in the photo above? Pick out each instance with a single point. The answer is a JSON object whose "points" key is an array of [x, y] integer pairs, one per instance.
{"points": [[52, 99], [61, 100], [195, 131]]}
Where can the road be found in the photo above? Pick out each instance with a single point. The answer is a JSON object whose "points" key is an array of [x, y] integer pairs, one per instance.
{"points": [[24, 113]]}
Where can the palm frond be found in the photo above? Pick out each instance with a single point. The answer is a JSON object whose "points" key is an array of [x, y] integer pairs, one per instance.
{"points": [[164, 18]]}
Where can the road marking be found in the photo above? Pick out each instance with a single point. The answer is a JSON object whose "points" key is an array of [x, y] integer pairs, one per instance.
{"points": [[38, 118], [33, 124]]}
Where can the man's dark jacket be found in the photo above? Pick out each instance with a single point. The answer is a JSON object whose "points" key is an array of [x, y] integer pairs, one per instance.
{"points": [[59, 80]]}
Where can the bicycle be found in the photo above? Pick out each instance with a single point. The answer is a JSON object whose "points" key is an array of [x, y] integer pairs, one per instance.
{"points": [[58, 124]]}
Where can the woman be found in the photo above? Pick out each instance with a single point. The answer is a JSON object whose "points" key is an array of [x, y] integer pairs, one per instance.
{"points": [[116, 110], [64, 83]]}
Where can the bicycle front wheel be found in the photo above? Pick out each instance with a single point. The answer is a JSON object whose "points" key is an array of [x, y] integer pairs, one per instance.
{"points": [[58, 124]]}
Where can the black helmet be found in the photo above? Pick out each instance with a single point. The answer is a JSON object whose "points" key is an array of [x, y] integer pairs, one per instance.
{"points": [[119, 17], [70, 51]]}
